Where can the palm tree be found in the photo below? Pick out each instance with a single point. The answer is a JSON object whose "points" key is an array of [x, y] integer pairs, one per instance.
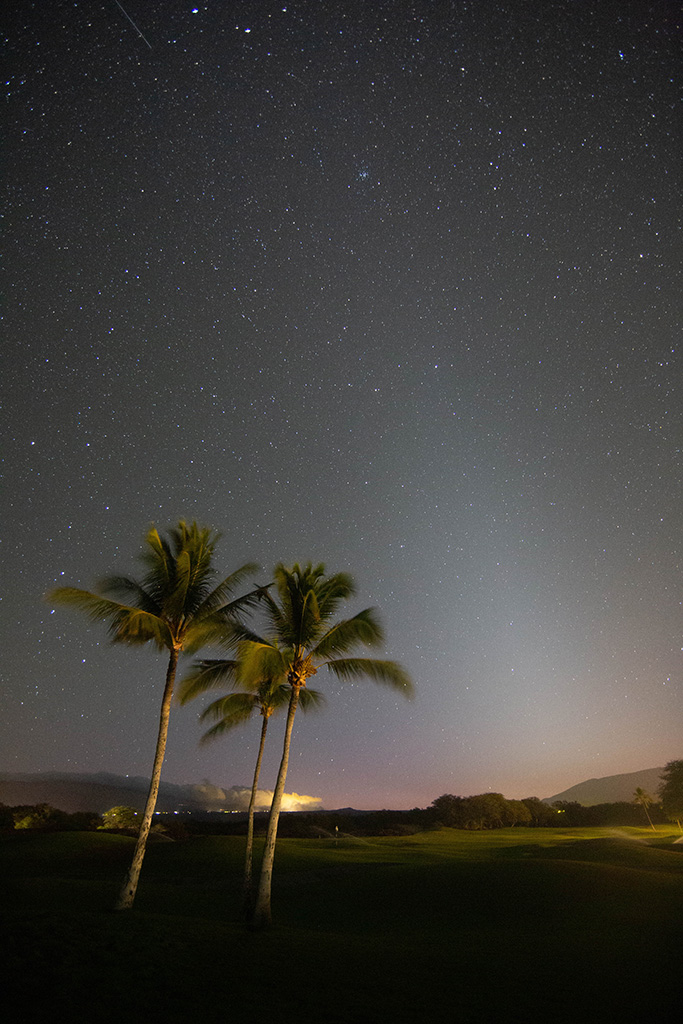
{"points": [[233, 709], [671, 791], [644, 799], [178, 608], [301, 638]]}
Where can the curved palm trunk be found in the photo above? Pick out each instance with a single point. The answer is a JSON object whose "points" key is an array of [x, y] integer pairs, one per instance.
{"points": [[649, 818], [261, 916], [130, 885], [247, 884]]}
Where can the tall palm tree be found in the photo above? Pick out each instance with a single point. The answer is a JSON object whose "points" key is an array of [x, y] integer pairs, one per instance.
{"points": [[301, 638], [644, 799], [233, 709], [177, 607]]}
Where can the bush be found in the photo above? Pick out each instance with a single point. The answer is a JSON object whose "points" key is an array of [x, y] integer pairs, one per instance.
{"points": [[121, 817], [36, 816]]}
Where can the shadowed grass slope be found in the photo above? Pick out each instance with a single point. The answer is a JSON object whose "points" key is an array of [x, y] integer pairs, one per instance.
{"points": [[469, 926]]}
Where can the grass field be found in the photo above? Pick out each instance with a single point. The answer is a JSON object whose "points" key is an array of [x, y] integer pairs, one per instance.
{"points": [[513, 925]]}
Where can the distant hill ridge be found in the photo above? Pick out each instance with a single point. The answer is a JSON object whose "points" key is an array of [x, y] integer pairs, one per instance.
{"points": [[611, 789], [98, 792]]}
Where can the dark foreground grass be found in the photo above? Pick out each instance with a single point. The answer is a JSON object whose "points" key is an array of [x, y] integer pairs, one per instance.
{"points": [[513, 925]]}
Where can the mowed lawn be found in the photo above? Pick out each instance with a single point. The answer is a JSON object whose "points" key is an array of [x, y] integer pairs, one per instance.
{"points": [[512, 925]]}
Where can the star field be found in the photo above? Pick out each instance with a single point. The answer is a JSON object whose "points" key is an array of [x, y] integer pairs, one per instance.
{"points": [[392, 286]]}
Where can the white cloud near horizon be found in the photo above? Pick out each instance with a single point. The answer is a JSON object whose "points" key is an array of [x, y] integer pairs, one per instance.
{"points": [[236, 798]]}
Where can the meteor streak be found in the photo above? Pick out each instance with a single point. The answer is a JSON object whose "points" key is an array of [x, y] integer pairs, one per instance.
{"points": [[133, 24]]}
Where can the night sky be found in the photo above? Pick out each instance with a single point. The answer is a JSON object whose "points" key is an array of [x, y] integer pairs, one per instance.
{"points": [[391, 286]]}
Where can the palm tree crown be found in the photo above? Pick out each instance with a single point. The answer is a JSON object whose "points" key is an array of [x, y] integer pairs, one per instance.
{"points": [[233, 709], [178, 607], [301, 638], [177, 604]]}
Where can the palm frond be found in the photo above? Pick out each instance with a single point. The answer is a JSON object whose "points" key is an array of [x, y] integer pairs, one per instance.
{"points": [[363, 628], [309, 625], [274, 696], [194, 573], [284, 614], [389, 673], [232, 632], [309, 700], [218, 630], [95, 606], [158, 559], [333, 591], [269, 697], [228, 613], [176, 603], [233, 709], [261, 660], [200, 540], [206, 675], [218, 597], [279, 625], [135, 626], [126, 624], [126, 587]]}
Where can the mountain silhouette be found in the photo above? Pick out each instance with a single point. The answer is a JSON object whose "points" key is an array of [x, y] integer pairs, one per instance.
{"points": [[610, 789]]}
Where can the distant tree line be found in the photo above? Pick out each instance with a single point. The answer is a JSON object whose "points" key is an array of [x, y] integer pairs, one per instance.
{"points": [[482, 811], [47, 818], [474, 813], [619, 813], [492, 810]]}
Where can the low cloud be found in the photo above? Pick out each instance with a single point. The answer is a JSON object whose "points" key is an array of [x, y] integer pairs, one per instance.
{"points": [[212, 797], [299, 802], [236, 798]]}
